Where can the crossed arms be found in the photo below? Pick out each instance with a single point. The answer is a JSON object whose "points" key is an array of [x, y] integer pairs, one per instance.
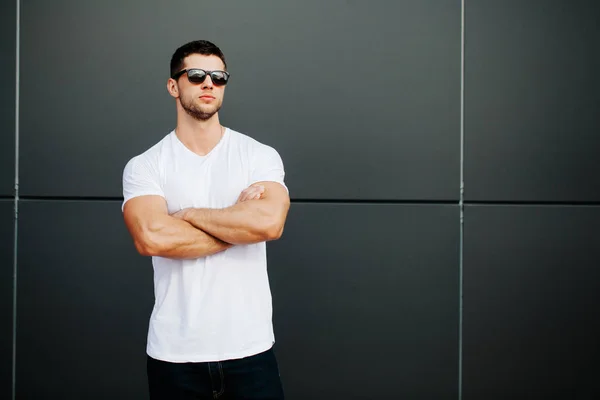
{"points": [[258, 216]]}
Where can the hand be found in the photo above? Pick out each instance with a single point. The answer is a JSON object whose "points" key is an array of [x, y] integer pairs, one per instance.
{"points": [[181, 214], [251, 193]]}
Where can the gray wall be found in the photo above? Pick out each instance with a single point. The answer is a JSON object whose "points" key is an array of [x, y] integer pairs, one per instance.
{"points": [[379, 290]]}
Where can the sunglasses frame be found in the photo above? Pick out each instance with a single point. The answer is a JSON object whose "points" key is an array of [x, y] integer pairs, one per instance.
{"points": [[207, 73]]}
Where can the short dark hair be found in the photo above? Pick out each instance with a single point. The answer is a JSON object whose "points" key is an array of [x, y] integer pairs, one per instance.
{"points": [[203, 47]]}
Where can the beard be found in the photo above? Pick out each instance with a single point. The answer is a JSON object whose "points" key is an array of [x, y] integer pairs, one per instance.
{"points": [[200, 112]]}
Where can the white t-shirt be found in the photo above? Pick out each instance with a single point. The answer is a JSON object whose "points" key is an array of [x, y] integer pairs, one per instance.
{"points": [[216, 307]]}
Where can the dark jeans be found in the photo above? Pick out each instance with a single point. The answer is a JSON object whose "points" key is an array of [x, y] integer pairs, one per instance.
{"points": [[254, 377]]}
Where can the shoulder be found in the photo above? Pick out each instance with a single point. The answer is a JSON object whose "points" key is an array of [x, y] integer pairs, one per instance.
{"points": [[150, 157], [254, 146]]}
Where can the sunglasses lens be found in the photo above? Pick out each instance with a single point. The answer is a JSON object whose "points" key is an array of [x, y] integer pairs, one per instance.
{"points": [[196, 76], [219, 77]]}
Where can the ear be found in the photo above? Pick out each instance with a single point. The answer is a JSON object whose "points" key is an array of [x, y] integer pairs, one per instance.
{"points": [[173, 88]]}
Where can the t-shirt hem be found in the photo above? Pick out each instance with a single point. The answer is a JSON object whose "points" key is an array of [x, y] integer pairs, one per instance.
{"points": [[210, 357], [252, 182], [138, 194]]}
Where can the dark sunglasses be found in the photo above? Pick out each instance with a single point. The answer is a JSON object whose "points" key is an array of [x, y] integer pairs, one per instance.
{"points": [[196, 75]]}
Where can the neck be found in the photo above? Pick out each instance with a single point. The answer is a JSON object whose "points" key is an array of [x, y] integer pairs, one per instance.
{"points": [[199, 136]]}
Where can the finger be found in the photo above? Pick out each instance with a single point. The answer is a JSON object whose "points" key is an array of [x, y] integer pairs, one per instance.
{"points": [[253, 196], [249, 195], [179, 214], [253, 190], [246, 194]]}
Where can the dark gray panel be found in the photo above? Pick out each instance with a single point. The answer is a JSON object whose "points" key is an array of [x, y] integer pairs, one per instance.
{"points": [[366, 301], [361, 99], [531, 284], [531, 100], [6, 296], [8, 19], [84, 299]]}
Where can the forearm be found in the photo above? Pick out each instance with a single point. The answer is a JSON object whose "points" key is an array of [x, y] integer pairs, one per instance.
{"points": [[242, 223], [173, 238]]}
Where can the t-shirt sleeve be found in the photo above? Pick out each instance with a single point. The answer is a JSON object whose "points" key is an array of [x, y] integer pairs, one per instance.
{"points": [[140, 178], [268, 166]]}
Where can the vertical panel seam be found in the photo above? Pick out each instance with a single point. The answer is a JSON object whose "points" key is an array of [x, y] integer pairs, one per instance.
{"points": [[16, 200], [461, 198]]}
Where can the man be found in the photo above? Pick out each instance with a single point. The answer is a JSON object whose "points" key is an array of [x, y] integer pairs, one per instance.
{"points": [[203, 202]]}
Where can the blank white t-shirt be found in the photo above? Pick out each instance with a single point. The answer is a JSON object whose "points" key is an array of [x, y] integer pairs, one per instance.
{"points": [[216, 307]]}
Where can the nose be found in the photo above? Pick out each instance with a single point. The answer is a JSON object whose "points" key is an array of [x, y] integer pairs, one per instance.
{"points": [[208, 83]]}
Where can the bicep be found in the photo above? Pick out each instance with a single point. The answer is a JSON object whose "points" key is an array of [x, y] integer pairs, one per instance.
{"points": [[276, 197], [142, 213]]}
